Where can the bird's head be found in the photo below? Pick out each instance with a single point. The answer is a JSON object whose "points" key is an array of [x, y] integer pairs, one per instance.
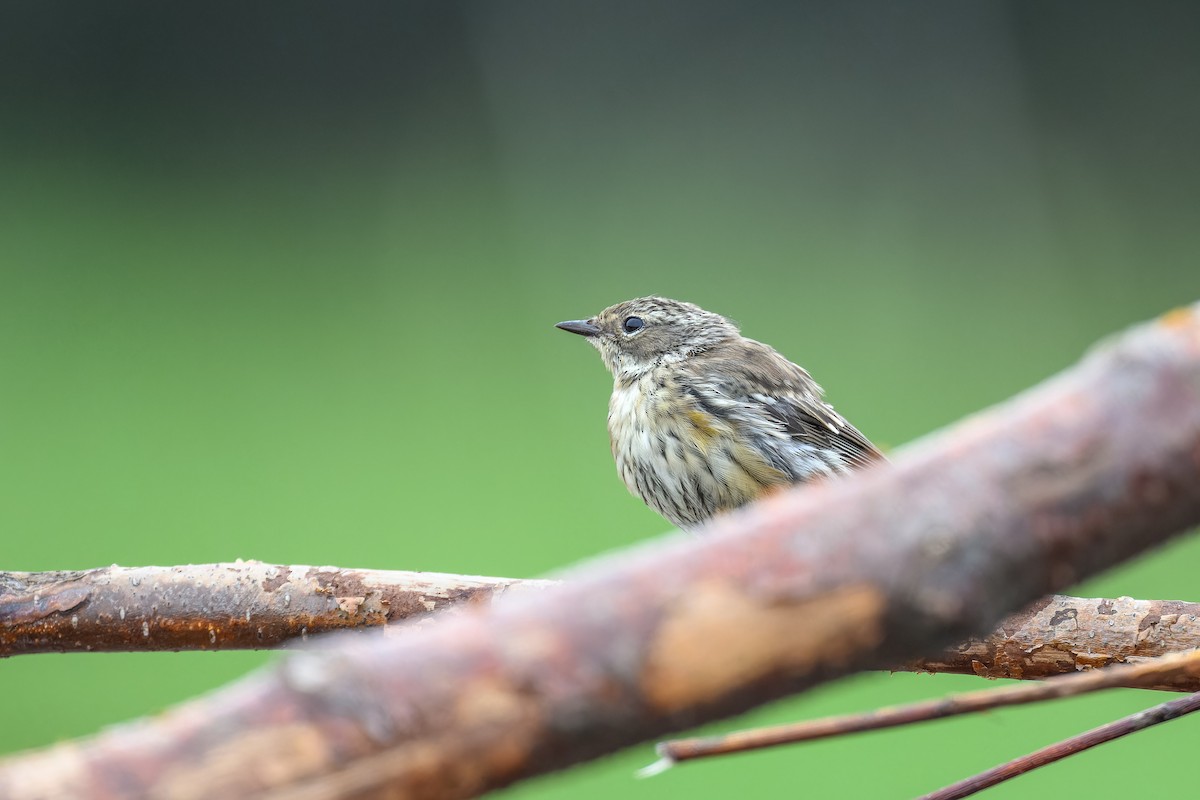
{"points": [[637, 335]]}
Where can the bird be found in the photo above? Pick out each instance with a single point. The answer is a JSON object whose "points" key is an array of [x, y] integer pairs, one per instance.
{"points": [[703, 420]]}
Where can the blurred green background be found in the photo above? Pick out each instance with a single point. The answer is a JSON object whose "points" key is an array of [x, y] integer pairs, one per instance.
{"points": [[278, 281]]}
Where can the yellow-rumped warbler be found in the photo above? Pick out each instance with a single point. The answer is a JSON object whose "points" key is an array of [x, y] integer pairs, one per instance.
{"points": [[702, 419]]}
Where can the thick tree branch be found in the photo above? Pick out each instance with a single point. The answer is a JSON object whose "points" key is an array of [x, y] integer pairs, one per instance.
{"points": [[1090, 468], [235, 606]]}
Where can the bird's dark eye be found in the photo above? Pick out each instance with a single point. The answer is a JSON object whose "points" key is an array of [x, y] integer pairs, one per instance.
{"points": [[633, 324]]}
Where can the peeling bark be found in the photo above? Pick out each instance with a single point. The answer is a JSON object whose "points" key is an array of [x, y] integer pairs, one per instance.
{"points": [[239, 605], [1064, 634], [252, 605], [1092, 467]]}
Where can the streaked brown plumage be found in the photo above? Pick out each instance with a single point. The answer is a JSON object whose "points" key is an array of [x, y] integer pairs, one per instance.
{"points": [[702, 419]]}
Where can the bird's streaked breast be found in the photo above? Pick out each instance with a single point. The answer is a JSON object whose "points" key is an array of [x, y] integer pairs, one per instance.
{"points": [[683, 461]]}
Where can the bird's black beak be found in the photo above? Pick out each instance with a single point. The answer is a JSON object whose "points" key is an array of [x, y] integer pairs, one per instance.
{"points": [[580, 326]]}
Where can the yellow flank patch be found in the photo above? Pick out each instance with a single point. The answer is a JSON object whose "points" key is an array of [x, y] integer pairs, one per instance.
{"points": [[1178, 317], [703, 423], [759, 470], [742, 486]]}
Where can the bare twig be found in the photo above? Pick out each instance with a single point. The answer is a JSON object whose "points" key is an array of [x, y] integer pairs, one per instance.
{"points": [[1094, 466], [239, 605], [1164, 712], [1167, 669]]}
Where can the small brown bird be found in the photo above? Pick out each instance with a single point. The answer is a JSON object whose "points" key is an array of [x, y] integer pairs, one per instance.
{"points": [[703, 420]]}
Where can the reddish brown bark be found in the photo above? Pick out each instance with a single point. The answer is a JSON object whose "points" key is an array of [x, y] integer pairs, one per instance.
{"points": [[1093, 466], [240, 605], [252, 605], [1063, 634]]}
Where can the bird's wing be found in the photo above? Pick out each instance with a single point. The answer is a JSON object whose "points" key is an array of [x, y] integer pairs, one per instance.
{"points": [[754, 381], [812, 420]]}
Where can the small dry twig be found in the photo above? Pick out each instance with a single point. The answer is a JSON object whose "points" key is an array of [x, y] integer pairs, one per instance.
{"points": [[1164, 712], [1167, 669]]}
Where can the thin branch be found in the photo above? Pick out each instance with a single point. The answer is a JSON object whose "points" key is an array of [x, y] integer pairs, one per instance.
{"points": [[1164, 712], [251, 605], [1092, 467], [239, 605], [1185, 666], [1060, 635]]}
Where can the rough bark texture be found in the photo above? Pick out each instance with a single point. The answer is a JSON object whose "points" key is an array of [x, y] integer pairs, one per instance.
{"points": [[1093, 466], [252, 605], [240, 605], [1063, 634]]}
